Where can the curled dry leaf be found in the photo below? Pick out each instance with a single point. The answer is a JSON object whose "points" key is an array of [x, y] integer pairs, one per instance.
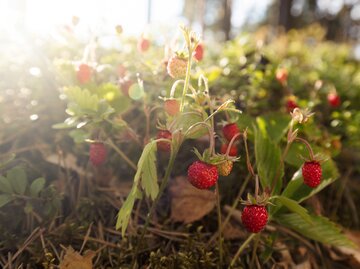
{"points": [[74, 260], [188, 203]]}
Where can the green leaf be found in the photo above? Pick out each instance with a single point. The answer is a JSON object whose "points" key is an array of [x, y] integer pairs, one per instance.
{"points": [[79, 135], [186, 120], [126, 209], [5, 198], [276, 125], [294, 207], [5, 185], [17, 179], [82, 98], [147, 171], [298, 191], [320, 229], [36, 186], [268, 158]]}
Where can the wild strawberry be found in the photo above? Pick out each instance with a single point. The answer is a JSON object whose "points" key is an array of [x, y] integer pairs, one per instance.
{"points": [[282, 75], [199, 52], [143, 44], [224, 168], [311, 172], [121, 71], [125, 85], [176, 67], [97, 153], [202, 175], [290, 105], [172, 106], [334, 99], [163, 145], [233, 150], [254, 218], [230, 130], [84, 73]]}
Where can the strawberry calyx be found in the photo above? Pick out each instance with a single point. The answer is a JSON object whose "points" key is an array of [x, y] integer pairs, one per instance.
{"points": [[260, 200]]}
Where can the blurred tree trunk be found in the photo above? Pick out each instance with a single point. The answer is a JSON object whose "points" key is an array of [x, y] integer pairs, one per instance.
{"points": [[285, 14], [226, 21]]}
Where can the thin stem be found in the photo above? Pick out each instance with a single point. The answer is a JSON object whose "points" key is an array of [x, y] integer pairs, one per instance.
{"points": [[231, 143], [248, 163], [254, 251], [311, 153], [153, 207], [234, 205], [210, 131], [241, 248], [187, 80], [218, 206], [122, 154]]}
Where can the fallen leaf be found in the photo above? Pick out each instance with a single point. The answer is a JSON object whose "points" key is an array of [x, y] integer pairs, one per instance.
{"points": [[73, 259], [352, 254], [233, 232], [188, 203]]}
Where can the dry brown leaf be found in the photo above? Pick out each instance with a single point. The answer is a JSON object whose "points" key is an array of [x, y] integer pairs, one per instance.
{"points": [[352, 253], [73, 259], [233, 232], [188, 203]]}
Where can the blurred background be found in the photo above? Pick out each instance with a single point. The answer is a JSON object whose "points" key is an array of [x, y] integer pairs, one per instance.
{"points": [[220, 19]]}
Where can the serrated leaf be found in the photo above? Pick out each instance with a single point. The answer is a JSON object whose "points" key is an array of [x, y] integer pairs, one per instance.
{"points": [[320, 229], [79, 136], [5, 198], [5, 185], [146, 172], [36, 186], [83, 98], [126, 209], [294, 207], [18, 180], [268, 158]]}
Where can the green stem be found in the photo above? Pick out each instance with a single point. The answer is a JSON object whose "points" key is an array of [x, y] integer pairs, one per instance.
{"points": [[241, 248], [218, 206], [187, 80], [122, 154], [311, 153], [153, 207]]}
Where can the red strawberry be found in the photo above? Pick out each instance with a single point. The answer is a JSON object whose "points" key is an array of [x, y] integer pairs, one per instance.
{"points": [[163, 145], [177, 66], [311, 172], [125, 86], [334, 99], [224, 168], [254, 218], [233, 150], [202, 175], [290, 105], [84, 73], [97, 153], [199, 52], [121, 71], [143, 44], [172, 107], [282, 75], [230, 130]]}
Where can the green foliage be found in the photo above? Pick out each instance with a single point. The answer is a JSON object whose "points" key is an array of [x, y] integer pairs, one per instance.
{"points": [[268, 158], [319, 229], [294, 207], [297, 190], [146, 172], [18, 180]]}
